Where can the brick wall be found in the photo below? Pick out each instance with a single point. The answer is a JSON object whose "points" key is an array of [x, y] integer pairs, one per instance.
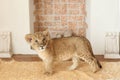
{"points": [[60, 15]]}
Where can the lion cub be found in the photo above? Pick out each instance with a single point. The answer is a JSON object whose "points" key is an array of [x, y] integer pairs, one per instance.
{"points": [[61, 49]]}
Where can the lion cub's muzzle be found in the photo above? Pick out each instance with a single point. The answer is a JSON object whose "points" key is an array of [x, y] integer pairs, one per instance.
{"points": [[42, 47]]}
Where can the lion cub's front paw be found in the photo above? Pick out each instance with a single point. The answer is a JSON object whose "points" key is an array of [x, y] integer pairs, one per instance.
{"points": [[48, 73], [72, 68]]}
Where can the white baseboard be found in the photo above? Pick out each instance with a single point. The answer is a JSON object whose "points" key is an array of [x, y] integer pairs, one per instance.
{"points": [[112, 56], [5, 55]]}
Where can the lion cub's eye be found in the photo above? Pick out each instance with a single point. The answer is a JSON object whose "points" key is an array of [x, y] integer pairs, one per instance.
{"points": [[36, 40], [43, 39]]}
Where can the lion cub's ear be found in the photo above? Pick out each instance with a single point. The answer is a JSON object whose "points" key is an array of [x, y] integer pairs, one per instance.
{"points": [[46, 32], [28, 37]]}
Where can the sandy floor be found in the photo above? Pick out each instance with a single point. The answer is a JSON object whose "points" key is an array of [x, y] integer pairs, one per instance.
{"points": [[13, 70]]}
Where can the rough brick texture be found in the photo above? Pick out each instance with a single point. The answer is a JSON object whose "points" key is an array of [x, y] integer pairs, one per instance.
{"points": [[60, 15]]}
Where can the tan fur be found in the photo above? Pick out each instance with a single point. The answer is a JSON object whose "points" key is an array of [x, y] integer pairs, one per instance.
{"points": [[61, 49]]}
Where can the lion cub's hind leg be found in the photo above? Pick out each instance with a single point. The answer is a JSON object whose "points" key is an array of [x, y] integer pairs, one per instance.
{"points": [[75, 64], [92, 61]]}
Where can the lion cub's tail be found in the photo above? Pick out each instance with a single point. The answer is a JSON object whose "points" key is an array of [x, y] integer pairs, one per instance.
{"points": [[100, 66]]}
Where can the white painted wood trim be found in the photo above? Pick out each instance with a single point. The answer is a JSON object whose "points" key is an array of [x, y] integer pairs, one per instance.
{"points": [[112, 56]]}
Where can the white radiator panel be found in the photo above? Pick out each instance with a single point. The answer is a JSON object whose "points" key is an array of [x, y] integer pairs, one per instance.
{"points": [[5, 44], [112, 45]]}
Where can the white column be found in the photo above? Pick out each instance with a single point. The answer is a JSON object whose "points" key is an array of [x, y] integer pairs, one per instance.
{"points": [[5, 43], [112, 45]]}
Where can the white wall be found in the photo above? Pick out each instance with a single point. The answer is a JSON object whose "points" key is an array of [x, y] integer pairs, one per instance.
{"points": [[14, 17], [103, 17]]}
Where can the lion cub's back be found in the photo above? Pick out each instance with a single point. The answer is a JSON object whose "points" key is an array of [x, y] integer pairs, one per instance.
{"points": [[66, 47]]}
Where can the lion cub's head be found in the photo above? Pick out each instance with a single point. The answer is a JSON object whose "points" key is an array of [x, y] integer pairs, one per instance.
{"points": [[38, 40]]}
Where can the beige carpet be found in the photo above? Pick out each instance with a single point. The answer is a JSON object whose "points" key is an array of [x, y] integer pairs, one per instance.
{"points": [[14, 70]]}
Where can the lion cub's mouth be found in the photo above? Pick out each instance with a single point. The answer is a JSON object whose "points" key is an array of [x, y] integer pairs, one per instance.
{"points": [[42, 48]]}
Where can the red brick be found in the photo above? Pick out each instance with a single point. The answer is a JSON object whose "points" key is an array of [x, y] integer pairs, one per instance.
{"points": [[73, 12], [64, 1], [39, 18], [36, 28], [47, 5], [57, 18], [64, 23], [47, 1], [38, 12], [42, 28], [82, 32], [48, 24], [82, 9], [36, 24], [57, 9], [79, 18], [74, 6], [72, 25], [37, 1], [76, 1], [39, 6], [75, 18], [57, 29], [63, 9], [48, 11], [41, 24], [64, 18], [56, 1]]}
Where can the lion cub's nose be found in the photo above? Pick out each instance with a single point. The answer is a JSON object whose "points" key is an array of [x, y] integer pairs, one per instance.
{"points": [[41, 46]]}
